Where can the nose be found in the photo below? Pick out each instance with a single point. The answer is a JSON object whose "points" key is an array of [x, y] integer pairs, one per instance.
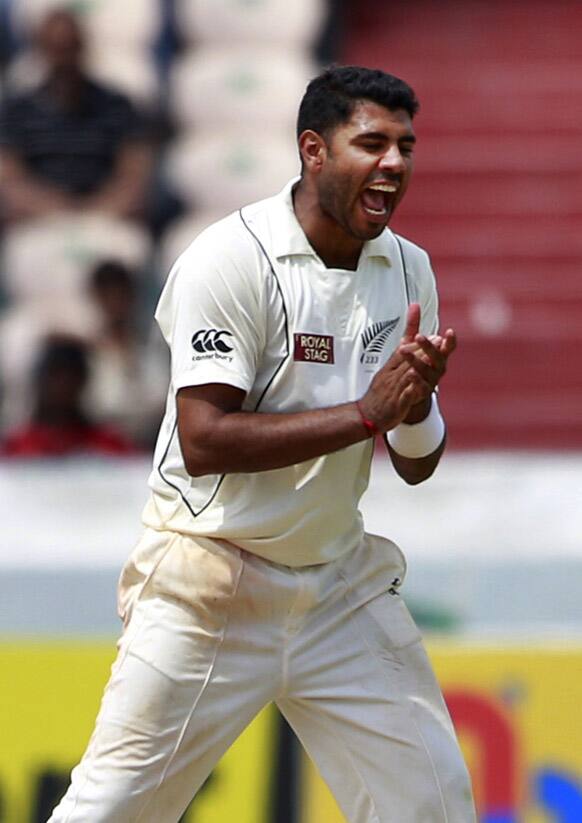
{"points": [[392, 160]]}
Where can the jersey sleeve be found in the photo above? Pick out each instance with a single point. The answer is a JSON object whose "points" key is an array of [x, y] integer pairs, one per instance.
{"points": [[422, 285], [429, 303], [210, 313]]}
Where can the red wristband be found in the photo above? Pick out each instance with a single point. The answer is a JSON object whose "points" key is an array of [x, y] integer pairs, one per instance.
{"points": [[369, 425]]}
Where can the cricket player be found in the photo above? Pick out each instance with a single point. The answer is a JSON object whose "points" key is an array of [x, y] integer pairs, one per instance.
{"points": [[300, 327]]}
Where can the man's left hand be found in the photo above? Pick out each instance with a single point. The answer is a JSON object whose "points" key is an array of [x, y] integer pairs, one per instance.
{"points": [[428, 355]]}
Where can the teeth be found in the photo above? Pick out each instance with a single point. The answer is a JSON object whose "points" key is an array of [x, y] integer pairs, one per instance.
{"points": [[389, 187], [376, 211]]}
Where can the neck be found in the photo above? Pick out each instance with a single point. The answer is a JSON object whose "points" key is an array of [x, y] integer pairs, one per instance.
{"points": [[336, 248]]}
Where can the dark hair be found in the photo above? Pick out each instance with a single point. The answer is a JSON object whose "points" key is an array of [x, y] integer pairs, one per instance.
{"points": [[63, 352], [331, 97], [111, 273]]}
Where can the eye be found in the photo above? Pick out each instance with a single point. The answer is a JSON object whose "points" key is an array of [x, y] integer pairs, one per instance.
{"points": [[372, 145], [407, 150]]}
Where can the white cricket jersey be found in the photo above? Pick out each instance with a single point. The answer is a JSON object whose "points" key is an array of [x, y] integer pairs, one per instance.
{"points": [[250, 304]]}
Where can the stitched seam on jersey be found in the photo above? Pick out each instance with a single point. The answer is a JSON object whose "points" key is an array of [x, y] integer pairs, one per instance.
{"points": [[198, 696], [260, 400], [285, 315], [177, 488], [404, 269], [433, 767]]}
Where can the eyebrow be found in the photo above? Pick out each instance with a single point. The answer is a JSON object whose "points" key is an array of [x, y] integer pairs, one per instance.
{"points": [[380, 135]]}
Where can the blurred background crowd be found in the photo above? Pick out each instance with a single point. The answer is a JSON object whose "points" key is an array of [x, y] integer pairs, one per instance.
{"points": [[124, 129], [126, 126]]}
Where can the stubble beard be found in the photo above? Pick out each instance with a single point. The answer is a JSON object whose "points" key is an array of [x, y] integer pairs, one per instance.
{"points": [[337, 204]]}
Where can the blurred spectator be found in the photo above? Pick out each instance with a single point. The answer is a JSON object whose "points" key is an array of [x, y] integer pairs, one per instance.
{"points": [[59, 425], [328, 47], [71, 143], [6, 35], [128, 380]]}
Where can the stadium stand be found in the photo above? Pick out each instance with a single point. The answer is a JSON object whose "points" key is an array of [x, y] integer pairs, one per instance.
{"points": [[225, 169], [121, 39], [223, 87], [229, 86], [292, 27], [64, 212], [497, 193], [168, 58], [493, 544], [497, 199]]}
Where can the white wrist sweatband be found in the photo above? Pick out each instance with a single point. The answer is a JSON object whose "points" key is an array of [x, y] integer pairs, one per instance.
{"points": [[419, 439]]}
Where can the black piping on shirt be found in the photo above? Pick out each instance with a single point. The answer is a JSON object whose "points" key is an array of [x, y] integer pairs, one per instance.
{"points": [[176, 488], [404, 269], [260, 400], [286, 316]]}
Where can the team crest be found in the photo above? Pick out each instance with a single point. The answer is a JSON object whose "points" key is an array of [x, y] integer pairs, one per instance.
{"points": [[374, 339]]}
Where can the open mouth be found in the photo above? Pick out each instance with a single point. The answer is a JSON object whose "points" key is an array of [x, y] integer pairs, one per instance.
{"points": [[377, 200]]}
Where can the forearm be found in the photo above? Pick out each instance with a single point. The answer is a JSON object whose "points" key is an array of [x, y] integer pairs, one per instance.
{"points": [[416, 446], [124, 194], [216, 437], [254, 442], [414, 470], [23, 196], [124, 199]]}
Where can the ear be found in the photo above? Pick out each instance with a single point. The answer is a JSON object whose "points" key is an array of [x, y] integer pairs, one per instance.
{"points": [[313, 150]]}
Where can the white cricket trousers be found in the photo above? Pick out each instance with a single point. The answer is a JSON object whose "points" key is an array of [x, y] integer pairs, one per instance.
{"points": [[213, 633]]}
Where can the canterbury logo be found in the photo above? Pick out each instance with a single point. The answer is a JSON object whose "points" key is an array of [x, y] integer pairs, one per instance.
{"points": [[211, 340], [376, 335]]}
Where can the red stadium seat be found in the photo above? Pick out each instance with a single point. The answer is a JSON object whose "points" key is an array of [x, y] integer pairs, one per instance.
{"points": [[497, 201]]}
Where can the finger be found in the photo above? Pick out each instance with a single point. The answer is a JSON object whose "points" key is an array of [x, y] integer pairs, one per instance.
{"points": [[415, 349], [449, 342], [432, 355], [392, 364], [412, 322], [426, 371], [408, 397], [432, 350], [411, 389], [419, 387], [436, 340], [400, 378]]}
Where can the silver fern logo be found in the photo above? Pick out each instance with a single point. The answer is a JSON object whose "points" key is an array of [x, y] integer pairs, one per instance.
{"points": [[374, 339]]}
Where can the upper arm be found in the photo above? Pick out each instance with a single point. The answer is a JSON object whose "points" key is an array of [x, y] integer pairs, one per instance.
{"points": [[199, 409], [201, 406]]}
